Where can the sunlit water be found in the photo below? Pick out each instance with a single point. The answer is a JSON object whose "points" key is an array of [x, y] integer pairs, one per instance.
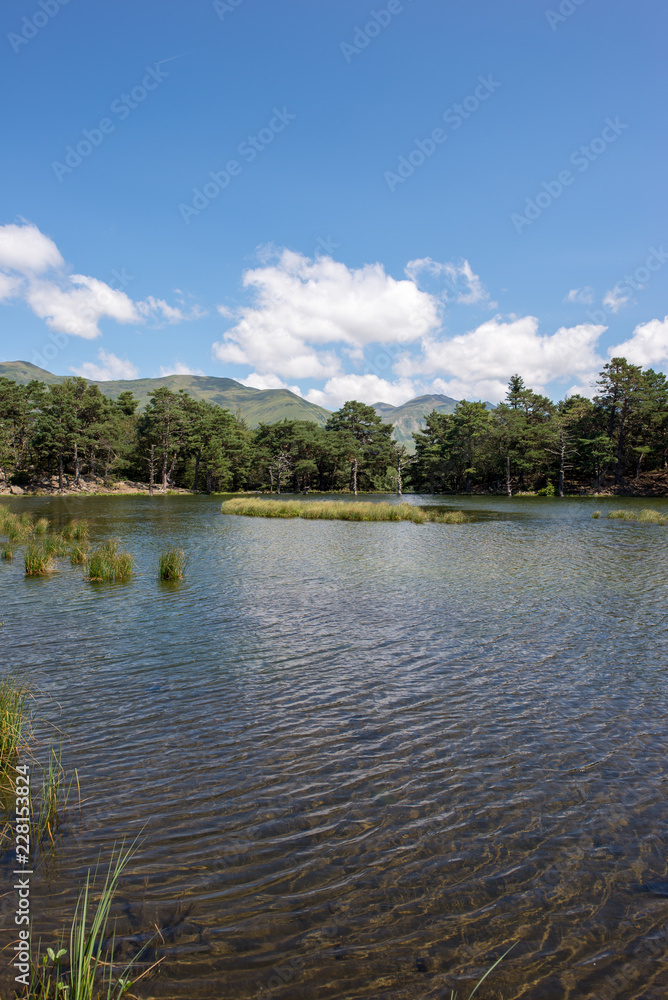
{"points": [[365, 758]]}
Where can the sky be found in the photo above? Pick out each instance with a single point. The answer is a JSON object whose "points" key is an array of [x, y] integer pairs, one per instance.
{"points": [[354, 200]]}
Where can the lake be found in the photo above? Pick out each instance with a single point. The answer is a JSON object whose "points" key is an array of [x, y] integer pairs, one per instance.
{"points": [[364, 758]]}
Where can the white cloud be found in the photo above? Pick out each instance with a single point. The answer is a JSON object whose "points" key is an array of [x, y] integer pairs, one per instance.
{"points": [[77, 308], [303, 304], [255, 381], [461, 284], [647, 346], [480, 362], [178, 368], [26, 250], [616, 298], [111, 368], [583, 296], [70, 303], [365, 388]]}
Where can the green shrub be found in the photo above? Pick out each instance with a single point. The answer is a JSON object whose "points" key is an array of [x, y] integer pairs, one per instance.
{"points": [[547, 491], [172, 565]]}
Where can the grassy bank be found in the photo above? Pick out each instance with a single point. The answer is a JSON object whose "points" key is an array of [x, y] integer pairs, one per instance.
{"points": [[340, 510]]}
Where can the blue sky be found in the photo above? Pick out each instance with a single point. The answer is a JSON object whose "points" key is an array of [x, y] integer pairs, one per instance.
{"points": [[355, 200]]}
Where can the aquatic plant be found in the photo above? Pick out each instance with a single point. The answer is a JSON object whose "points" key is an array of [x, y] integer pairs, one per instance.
{"points": [[109, 565], [6, 552], [646, 516], [78, 554], [53, 781], [340, 510], [91, 970], [12, 722], [75, 531], [37, 560], [596, 514], [172, 565], [54, 545], [41, 526]]}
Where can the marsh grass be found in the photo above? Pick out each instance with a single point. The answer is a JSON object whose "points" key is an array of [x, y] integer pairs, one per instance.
{"points": [[172, 564], [341, 510], [53, 798], [75, 531], [109, 565], [41, 526], [13, 698], [646, 516], [37, 560], [54, 545], [6, 552], [78, 554], [87, 970]]}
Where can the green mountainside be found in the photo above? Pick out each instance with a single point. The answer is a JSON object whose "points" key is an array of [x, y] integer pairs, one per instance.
{"points": [[410, 416], [255, 406]]}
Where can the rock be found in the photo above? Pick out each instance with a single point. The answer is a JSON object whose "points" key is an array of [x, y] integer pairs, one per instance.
{"points": [[16, 490]]}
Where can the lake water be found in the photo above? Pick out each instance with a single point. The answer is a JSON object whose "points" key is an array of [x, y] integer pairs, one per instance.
{"points": [[365, 758]]}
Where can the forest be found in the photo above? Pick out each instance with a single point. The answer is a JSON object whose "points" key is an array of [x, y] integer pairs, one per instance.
{"points": [[527, 443]]}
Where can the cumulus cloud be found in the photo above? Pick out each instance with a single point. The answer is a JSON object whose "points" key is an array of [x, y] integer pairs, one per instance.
{"points": [[583, 296], [301, 305], [480, 362], [616, 298], [269, 381], [459, 282], [365, 388], [178, 368], [32, 270], [647, 345], [110, 367]]}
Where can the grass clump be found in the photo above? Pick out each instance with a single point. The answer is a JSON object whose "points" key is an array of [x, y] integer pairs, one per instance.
{"points": [[12, 722], [596, 514], [78, 555], [108, 564], [341, 510], [172, 565], [75, 531], [37, 560], [41, 526], [6, 552], [646, 516]]}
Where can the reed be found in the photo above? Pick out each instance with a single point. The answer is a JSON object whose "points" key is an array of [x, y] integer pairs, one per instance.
{"points": [[12, 722], [172, 565], [341, 510], [37, 560], [6, 552], [75, 531], [646, 516], [89, 972], [41, 526], [54, 545], [109, 565], [78, 554]]}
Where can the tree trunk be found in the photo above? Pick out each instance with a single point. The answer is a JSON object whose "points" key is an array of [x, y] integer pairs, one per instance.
{"points": [[271, 480], [151, 471], [639, 463], [164, 471], [60, 472], [509, 491], [77, 464], [354, 471], [91, 460], [399, 476], [619, 469], [196, 478], [106, 466], [562, 463]]}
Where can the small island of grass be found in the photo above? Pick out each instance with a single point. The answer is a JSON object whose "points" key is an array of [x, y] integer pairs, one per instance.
{"points": [[341, 510]]}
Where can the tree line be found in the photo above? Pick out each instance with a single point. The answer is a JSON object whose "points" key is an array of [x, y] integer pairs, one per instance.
{"points": [[72, 430]]}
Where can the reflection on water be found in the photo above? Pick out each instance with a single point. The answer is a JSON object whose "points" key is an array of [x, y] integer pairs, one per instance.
{"points": [[366, 758]]}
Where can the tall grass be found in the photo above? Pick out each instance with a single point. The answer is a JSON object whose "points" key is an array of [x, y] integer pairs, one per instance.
{"points": [[53, 797], [644, 517], [12, 722], [75, 531], [108, 564], [172, 565], [340, 510], [37, 560], [90, 971], [6, 551], [78, 554]]}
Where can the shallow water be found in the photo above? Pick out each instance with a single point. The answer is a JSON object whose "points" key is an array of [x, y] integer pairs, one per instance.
{"points": [[366, 758]]}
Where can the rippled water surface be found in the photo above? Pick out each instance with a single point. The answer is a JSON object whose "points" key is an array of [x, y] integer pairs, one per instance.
{"points": [[366, 757]]}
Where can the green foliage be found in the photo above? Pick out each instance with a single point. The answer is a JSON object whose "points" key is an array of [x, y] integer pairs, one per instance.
{"points": [[37, 560], [340, 510], [107, 564], [643, 517], [547, 491], [172, 564]]}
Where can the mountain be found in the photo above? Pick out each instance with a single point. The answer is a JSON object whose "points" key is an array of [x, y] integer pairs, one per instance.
{"points": [[410, 416], [254, 405]]}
